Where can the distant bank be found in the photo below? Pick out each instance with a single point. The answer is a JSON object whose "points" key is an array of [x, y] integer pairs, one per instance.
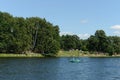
{"points": [[59, 54]]}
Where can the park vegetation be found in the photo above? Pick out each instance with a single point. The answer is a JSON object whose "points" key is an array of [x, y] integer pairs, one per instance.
{"points": [[98, 43], [33, 34], [36, 35]]}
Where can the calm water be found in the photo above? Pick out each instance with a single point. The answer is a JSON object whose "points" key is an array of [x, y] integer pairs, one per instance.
{"points": [[59, 69]]}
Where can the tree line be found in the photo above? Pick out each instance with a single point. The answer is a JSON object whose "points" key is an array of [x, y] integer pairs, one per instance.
{"points": [[19, 35], [98, 43], [34, 34]]}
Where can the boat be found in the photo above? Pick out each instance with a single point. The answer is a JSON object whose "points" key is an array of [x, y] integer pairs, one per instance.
{"points": [[75, 60]]}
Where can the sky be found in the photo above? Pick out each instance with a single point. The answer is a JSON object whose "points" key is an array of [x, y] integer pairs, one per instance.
{"points": [[79, 17]]}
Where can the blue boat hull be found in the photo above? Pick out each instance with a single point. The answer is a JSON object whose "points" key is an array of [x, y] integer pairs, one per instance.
{"points": [[75, 60]]}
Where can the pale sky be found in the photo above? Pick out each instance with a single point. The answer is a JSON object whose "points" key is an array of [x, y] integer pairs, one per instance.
{"points": [[80, 17]]}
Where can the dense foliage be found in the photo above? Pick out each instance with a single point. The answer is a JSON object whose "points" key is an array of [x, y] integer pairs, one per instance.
{"points": [[70, 42], [99, 43], [18, 35]]}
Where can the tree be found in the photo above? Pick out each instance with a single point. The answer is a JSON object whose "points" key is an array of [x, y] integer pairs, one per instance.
{"points": [[110, 46], [116, 44], [45, 36], [93, 43], [22, 38], [84, 45], [70, 42], [102, 40], [6, 21], [18, 35]]}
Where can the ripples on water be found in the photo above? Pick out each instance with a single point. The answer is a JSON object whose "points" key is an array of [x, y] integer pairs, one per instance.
{"points": [[59, 69]]}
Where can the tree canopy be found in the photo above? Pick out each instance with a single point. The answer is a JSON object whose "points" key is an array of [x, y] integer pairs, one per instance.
{"points": [[18, 35], [99, 42]]}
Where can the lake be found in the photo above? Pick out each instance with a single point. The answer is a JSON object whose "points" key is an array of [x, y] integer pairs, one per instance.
{"points": [[59, 69]]}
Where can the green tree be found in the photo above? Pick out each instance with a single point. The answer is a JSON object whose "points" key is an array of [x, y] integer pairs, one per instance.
{"points": [[110, 46], [45, 36], [84, 45], [6, 21], [18, 35], [93, 43], [70, 42], [116, 44], [102, 40]]}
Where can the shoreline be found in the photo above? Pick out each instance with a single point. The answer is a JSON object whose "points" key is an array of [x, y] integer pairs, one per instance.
{"points": [[59, 54], [5, 55], [67, 54]]}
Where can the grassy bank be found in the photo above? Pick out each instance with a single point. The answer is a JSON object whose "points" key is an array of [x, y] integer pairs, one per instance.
{"points": [[74, 53], [20, 55]]}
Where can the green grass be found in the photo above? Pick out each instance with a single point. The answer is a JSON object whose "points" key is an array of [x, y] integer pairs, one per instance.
{"points": [[76, 53], [20, 55], [73, 53]]}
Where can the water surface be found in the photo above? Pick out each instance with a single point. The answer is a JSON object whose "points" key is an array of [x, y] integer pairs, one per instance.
{"points": [[59, 69]]}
